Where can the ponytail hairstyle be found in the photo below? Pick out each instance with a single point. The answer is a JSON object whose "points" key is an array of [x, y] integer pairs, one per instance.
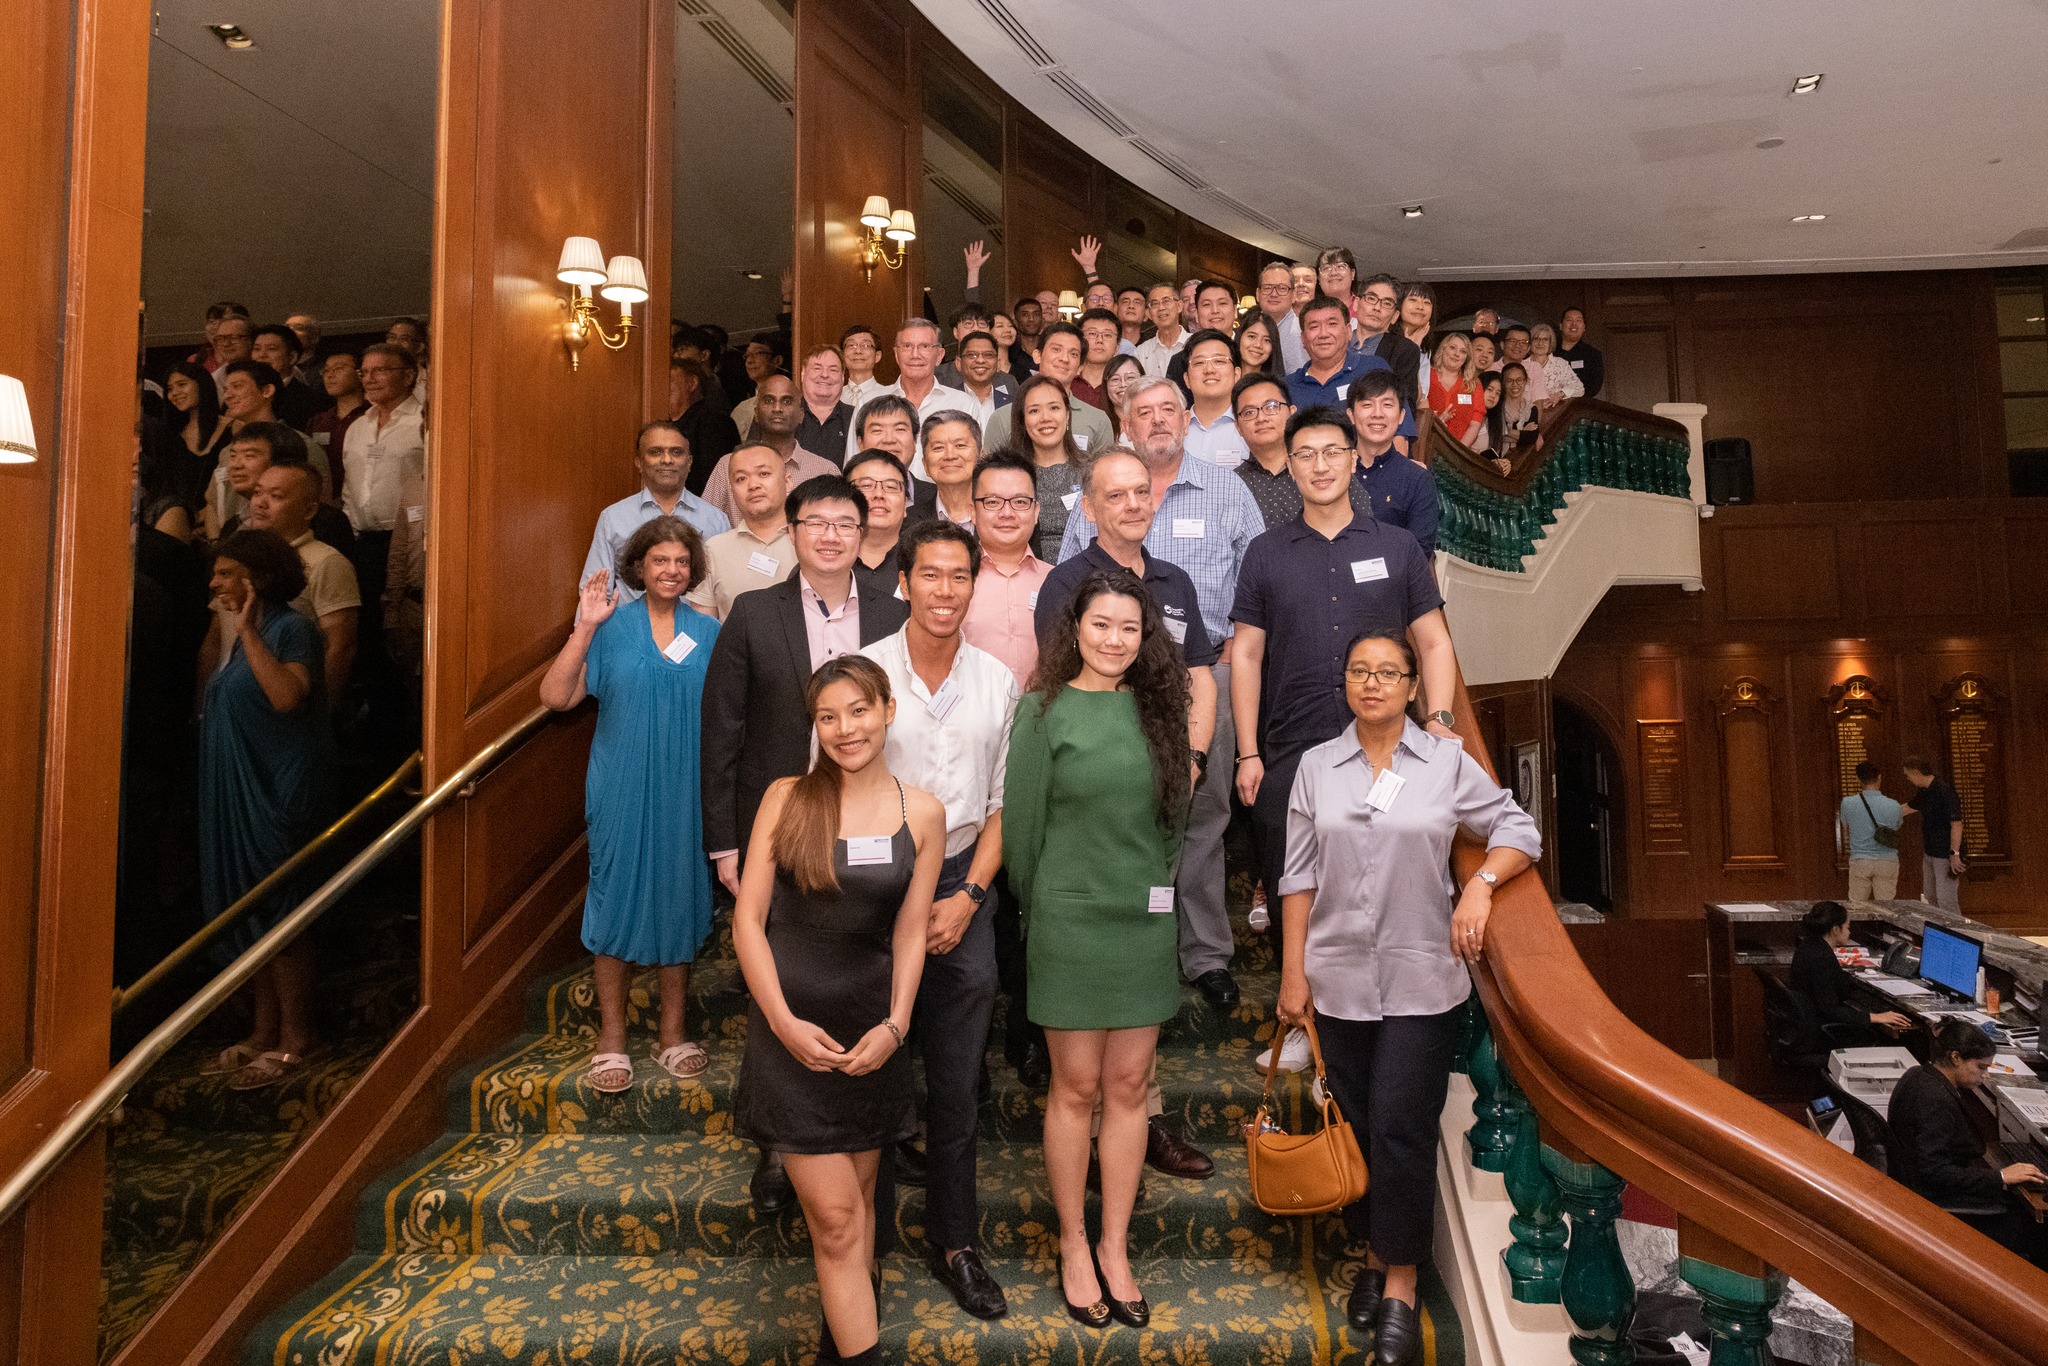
{"points": [[807, 834], [1822, 919]]}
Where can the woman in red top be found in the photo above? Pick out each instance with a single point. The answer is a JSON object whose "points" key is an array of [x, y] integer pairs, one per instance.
{"points": [[1454, 394]]}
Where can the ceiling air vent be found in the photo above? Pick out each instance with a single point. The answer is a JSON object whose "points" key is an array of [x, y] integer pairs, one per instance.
{"points": [[741, 51], [1170, 164], [1014, 30], [1083, 96]]}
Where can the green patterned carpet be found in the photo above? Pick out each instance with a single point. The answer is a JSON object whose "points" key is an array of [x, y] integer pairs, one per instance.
{"points": [[552, 1225]]}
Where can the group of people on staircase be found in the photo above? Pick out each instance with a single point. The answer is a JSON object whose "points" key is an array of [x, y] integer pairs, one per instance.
{"points": [[931, 767]]}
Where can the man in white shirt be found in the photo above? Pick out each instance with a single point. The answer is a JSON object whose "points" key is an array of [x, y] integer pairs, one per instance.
{"points": [[757, 552], [951, 737], [1162, 302], [1130, 319], [1213, 367], [1276, 302], [861, 349], [382, 448], [662, 457], [950, 443], [917, 357], [978, 378]]}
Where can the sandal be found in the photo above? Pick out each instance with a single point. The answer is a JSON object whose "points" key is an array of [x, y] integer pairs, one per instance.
{"points": [[233, 1058], [684, 1062], [265, 1069], [605, 1064]]}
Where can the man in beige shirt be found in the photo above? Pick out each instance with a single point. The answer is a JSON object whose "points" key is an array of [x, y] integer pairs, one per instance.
{"points": [[283, 501], [757, 553]]}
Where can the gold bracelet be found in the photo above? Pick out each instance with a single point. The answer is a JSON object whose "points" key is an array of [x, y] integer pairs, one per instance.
{"points": [[891, 1025]]}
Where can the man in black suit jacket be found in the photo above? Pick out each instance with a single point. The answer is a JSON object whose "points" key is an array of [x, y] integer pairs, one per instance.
{"points": [[1377, 335]]}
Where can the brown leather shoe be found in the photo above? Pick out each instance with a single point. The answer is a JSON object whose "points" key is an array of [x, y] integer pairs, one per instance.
{"points": [[1166, 1151]]}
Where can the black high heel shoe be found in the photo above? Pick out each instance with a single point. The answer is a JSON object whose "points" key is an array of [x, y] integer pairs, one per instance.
{"points": [[1136, 1313], [1094, 1315]]}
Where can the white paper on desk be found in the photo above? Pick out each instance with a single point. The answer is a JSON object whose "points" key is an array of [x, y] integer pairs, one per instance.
{"points": [[1751, 908], [2032, 1104], [1892, 986], [2009, 1065]]}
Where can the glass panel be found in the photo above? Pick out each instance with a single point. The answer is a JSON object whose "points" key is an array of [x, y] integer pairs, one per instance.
{"points": [[2024, 365], [963, 190], [2026, 423], [2021, 313]]}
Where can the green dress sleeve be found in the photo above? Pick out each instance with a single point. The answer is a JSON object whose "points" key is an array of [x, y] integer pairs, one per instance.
{"points": [[1026, 782]]}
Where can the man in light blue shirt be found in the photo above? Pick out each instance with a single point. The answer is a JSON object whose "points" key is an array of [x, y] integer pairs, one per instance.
{"points": [[662, 457], [1873, 866]]}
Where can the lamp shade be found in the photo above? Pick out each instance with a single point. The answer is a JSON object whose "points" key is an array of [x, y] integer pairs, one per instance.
{"points": [[875, 213], [627, 281], [902, 227], [1070, 304], [582, 262], [17, 430]]}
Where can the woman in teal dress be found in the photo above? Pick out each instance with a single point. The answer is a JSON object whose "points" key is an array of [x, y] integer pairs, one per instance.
{"points": [[650, 887], [264, 764], [1094, 801]]}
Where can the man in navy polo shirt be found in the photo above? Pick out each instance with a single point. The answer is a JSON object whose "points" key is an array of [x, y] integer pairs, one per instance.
{"points": [[1332, 363], [1307, 589], [1400, 492]]}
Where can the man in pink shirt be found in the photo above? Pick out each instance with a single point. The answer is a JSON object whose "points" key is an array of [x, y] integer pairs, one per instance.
{"points": [[999, 618]]}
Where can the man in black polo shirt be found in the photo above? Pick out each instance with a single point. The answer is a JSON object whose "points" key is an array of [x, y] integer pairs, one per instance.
{"points": [[1941, 835], [1263, 410], [1307, 589], [1400, 492]]}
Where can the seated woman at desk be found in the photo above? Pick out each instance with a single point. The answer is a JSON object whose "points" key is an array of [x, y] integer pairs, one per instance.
{"points": [[1935, 1153], [1820, 979]]}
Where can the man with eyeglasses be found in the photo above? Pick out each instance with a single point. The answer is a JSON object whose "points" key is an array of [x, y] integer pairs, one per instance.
{"points": [[884, 481], [661, 455], [1163, 305], [1130, 319], [917, 360], [1307, 589], [1398, 491], [980, 380], [1099, 336], [329, 427], [1212, 368], [381, 450], [1375, 334], [1261, 406], [758, 550], [777, 411], [1276, 303], [999, 620], [1059, 357], [233, 340], [756, 726]]}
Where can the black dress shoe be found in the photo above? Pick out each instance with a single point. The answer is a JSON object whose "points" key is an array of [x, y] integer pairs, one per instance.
{"points": [[1034, 1066], [1219, 988], [1168, 1152], [1364, 1304], [1396, 1334], [973, 1289], [1136, 1313], [909, 1163], [769, 1187], [1094, 1315]]}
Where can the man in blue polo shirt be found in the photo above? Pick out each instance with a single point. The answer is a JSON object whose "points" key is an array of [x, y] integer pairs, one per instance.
{"points": [[662, 458], [1400, 492], [1307, 589], [1332, 363]]}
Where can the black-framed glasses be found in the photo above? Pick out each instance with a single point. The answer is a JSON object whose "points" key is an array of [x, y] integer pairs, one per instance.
{"points": [[1386, 677], [992, 504], [1272, 407], [1321, 455], [821, 526], [871, 487]]}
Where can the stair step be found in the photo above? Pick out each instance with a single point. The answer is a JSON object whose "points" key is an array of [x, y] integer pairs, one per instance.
{"points": [[418, 1307]]}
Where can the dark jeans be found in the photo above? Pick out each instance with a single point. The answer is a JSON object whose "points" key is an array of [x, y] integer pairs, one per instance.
{"points": [[1389, 1077], [949, 1029], [394, 721]]}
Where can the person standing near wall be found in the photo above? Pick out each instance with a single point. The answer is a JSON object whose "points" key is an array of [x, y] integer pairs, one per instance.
{"points": [[1941, 834], [1870, 827]]}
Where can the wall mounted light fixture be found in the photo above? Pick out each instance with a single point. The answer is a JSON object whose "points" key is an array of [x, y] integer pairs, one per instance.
{"points": [[896, 225], [623, 281], [17, 428], [1069, 307]]}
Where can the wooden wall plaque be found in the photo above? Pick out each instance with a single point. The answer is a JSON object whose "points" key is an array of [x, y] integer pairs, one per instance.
{"points": [[1858, 726], [1749, 787], [1973, 754], [1666, 824]]}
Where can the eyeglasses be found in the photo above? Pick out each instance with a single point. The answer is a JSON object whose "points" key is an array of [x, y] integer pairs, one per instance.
{"points": [[1386, 677], [820, 526], [368, 371], [1272, 407], [871, 487], [1321, 455], [992, 505]]}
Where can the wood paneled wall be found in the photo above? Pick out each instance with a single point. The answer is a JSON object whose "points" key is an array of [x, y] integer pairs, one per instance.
{"points": [[1799, 599], [1849, 387]]}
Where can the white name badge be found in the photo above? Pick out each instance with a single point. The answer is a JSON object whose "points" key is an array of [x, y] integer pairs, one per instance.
{"points": [[1465, 398], [679, 649], [1033, 602], [868, 850], [899, 592], [1578, 365], [1187, 528], [1069, 498], [1177, 629], [1365, 571], [944, 700], [1385, 788], [1160, 901], [1081, 439], [761, 562]]}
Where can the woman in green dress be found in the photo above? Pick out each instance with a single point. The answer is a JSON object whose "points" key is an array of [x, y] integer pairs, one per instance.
{"points": [[1094, 801]]}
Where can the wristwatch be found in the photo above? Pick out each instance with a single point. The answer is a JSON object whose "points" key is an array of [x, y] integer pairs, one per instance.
{"points": [[1448, 720], [975, 892], [1490, 879]]}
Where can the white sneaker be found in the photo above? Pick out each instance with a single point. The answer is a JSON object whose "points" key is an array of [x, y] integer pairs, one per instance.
{"points": [[1317, 1094], [1258, 918], [1293, 1053]]}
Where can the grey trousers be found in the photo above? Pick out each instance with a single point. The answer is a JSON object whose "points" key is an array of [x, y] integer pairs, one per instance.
{"points": [[1938, 885], [1205, 940]]}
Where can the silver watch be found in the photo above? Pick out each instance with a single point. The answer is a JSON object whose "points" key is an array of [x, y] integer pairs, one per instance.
{"points": [[1490, 879], [1448, 720]]}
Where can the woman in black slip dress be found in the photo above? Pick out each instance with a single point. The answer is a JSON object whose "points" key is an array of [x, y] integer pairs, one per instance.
{"points": [[830, 932]]}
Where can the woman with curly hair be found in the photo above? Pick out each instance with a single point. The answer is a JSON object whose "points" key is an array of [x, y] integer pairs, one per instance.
{"points": [[1094, 802]]}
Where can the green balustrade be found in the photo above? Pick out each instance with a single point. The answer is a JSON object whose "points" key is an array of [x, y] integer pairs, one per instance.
{"points": [[1737, 1308], [1598, 1294], [1535, 1260], [1489, 1136]]}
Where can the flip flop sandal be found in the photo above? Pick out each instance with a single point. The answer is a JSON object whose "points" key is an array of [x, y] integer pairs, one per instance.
{"points": [[233, 1058], [684, 1062], [265, 1069], [604, 1064]]}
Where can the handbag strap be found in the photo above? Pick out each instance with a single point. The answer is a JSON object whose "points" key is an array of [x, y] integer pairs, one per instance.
{"points": [[1874, 821], [1315, 1050]]}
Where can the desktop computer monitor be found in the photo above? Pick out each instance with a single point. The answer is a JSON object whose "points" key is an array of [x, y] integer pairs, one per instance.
{"points": [[1950, 960]]}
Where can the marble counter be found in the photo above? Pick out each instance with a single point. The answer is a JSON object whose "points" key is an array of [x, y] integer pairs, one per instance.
{"points": [[2026, 960]]}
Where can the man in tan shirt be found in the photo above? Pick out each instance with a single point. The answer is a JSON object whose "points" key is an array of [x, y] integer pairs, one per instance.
{"points": [[283, 501], [757, 553]]}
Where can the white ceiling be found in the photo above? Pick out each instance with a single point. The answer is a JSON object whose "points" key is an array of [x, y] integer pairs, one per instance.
{"points": [[1569, 137]]}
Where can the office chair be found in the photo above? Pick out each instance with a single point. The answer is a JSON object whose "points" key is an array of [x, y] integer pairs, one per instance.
{"points": [[1790, 1031]]}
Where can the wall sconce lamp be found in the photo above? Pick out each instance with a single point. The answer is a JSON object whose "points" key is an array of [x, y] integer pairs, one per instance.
{"points": [[1069, 305], [623, 281], [897, 225], [17, 429]]}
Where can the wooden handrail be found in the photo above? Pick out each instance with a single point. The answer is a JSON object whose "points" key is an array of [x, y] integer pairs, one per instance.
{"points": [[1928, 1286], [1434, 445]]}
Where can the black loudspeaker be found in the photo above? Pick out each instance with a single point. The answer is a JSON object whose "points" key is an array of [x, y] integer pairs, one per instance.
{"points": [[1729, 476]]}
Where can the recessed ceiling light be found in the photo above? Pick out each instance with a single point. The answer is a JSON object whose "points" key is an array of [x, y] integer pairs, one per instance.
{"points": [[1809, 218], [1806, 85], [231, 37], [1412, 211]]}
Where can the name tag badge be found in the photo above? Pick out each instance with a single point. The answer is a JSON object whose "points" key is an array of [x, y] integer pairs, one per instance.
{"points": [[1069, 498], [1187, 528], [414, 514], [1081, 439], [679, 649], [1160, 901], [1385, 788], [1365, 571], [1344, 390], [899, 592], [1032, 603], [1578, 365], [944, 700], [1465, 398], [761, 562], [869, 850], [1177, 629]]}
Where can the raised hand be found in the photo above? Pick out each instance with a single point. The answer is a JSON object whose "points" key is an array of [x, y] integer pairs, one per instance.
{"points": [[597, 599], [977, 256], [1088, 253]]}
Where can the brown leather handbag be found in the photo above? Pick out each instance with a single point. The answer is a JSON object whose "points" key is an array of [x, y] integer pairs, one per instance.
{"points": [[1302, 1173]]}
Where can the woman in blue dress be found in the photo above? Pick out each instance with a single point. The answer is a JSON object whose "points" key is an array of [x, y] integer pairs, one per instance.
{"points": [[650, 887], [264, 751]]}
